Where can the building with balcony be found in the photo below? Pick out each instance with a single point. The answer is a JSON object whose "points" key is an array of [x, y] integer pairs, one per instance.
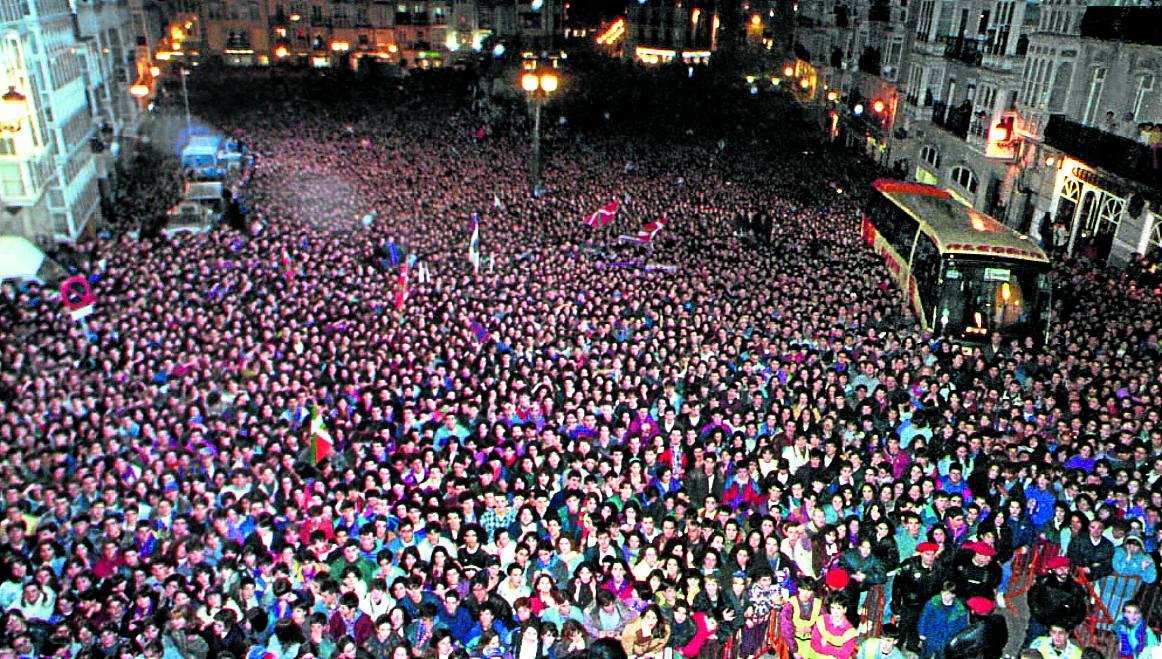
{"points": [[956, 125], [48, 177], [1091, 82], [108, 67]]}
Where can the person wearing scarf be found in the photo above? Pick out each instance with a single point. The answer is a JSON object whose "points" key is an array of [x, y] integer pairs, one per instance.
{"points": [[1134, 636]]}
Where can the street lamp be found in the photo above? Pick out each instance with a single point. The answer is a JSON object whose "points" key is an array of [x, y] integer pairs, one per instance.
{"points": [[538, 87], [12, 110]]}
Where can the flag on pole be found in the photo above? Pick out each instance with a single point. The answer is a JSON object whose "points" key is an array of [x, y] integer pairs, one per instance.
{"points": [[320, 439], [474, 244], [604, 215]]}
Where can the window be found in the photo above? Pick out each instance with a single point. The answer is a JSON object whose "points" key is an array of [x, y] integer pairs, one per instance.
{"points": [[930, 155], [965, 178], [926, 270], [1093, 99], [897, 227], [1145, 87]]}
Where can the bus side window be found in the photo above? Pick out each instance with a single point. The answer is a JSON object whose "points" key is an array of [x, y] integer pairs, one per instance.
{"points": [[926, 270], [897, 227]]}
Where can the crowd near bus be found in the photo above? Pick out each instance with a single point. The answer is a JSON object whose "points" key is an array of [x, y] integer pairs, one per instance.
{"points": [[329, 433]]}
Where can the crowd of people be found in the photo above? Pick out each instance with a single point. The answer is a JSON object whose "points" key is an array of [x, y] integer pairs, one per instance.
{"points": [[574, 446]]}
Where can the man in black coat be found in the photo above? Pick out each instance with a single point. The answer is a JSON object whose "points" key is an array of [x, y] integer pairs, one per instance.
{"points": [[1056, 598], [919, 580], [1093, 554], [975, 573], [984, 638]]}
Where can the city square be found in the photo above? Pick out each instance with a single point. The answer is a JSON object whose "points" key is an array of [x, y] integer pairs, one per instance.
{"points": [[579, 337]]}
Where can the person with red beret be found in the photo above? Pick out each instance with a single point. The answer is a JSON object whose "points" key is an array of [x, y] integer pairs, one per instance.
{"points": [[984, 638], [975, 572], [1055, 598], [918, 581]]}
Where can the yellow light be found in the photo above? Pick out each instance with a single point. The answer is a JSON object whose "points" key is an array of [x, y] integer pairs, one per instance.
{"points": [[176, 33], [529, 82], [695, 15], [756, 20], [804, 83], [155, 71], [392, 48], [1006, 292], [1050, 161], [295, 17], [162, 55], [877, 106], [549, 83], [833, 96], [788, 71], [976, 317], [998, 133], [139, 90], [281, 52]]}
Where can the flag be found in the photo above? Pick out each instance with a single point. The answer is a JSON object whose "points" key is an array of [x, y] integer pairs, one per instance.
{"points": [[604, 215], [401, 288], [646, 233], [320, 439], [474, 244], [482, 335], [496, 202]]}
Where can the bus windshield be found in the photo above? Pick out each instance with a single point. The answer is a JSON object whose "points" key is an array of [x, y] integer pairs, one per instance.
{"points": [[981, 296]]}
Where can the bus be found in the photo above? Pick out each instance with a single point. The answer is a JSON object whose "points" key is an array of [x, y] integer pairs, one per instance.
{"points": [[966, 275]]}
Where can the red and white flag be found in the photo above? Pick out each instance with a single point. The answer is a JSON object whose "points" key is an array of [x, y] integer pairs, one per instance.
{"points": [[604, 215], [646, 233]]}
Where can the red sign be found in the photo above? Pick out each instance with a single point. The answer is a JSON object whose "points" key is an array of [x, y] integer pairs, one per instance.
{"points": [[75, 293]]}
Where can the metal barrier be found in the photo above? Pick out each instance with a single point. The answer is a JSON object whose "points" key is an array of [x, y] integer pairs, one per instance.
{"points": [[1093, 632], [760, 636], [1027, 564]]}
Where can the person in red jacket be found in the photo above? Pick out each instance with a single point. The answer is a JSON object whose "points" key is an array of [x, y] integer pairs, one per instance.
{"points": [[350, 621], [742, 489], [706, 626]]}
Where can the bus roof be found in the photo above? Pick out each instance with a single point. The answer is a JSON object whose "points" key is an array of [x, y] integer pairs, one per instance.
{"points": [[956, 228]]}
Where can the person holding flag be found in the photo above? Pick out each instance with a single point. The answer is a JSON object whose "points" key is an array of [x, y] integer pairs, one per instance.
{"points": [[319, 438], [474, 244]]}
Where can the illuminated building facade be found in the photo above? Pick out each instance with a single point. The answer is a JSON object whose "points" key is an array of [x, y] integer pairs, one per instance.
{"points": [[411, 33], [64, 78]]}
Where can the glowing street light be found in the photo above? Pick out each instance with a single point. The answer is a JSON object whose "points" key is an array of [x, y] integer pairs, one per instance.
{"points": [[877, 106], [788, 71], [12, 110]]}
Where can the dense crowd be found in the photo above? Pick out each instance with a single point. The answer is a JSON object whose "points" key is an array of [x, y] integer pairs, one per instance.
{"points": [[567, 445]]}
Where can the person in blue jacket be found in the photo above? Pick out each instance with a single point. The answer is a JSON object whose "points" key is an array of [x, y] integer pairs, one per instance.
{"points": [[943, 616]]}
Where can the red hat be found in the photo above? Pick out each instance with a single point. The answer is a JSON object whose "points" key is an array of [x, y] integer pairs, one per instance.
{"points": [[1056, 562], [927, 546], [980, 605], [984, 549], [837, 578]]}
